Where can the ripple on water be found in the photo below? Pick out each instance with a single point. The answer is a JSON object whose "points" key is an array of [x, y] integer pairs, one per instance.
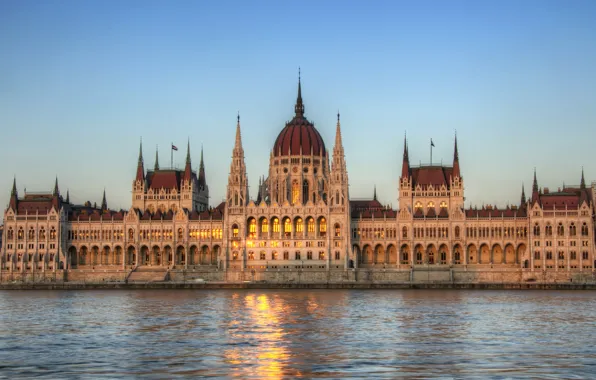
{"points": [[298, 333]]}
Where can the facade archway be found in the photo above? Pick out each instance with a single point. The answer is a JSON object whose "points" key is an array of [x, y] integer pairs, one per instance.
{"points": [[443, 255], [497, 253], [404, 254], [72, 257], [472, 254], [457, 254], [180, 256], [131, 255], [431, 254], [509, 254], [484, 255], [521, 252], [379, 254], [391, 254]]}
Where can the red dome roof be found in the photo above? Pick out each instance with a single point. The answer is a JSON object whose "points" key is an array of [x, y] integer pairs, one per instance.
{"points": [[299, 137]]}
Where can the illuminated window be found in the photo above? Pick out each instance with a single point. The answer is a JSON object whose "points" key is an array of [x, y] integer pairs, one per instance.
{"points": [[251, 255], [299, 225], [287, 227], [418, 205], [323, 227], [264, 226], [252, 228], [275, 225], [430, 204], [274, 255], [321, 255], [235, 230], [443, 204], [311, 225], [53, 234], [295, 192], [337, 230], [263, 255]]}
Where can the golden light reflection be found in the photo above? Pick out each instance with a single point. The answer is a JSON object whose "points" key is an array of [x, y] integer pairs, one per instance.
{"points": [[261, 325]]}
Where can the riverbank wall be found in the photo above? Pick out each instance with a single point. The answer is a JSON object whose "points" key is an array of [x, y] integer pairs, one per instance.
{"points": [[209, 278]]}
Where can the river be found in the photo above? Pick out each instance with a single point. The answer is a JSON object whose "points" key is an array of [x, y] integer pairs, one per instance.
{"points": [[297, 333]]}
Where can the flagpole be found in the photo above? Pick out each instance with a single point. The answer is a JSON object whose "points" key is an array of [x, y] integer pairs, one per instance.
{"points": [[172, 155]]}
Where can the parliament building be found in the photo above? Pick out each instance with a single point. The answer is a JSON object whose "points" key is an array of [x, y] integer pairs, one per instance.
{"points": [[301, 218]]}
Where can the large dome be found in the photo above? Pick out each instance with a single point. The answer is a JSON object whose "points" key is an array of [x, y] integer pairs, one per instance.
{"points": [[299, 136]]}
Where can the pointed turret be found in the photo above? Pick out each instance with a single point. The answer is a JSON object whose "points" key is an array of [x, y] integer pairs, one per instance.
{"points": [[140, 166], [535, 190], [405, 166], [56, 190], [202, 178], [67, 197], [188, 167], [104, 202], [237, 181], [456, 172], [523, 196], [299, 107], [14, 196], [375, 193], [238, 143], [156, 167], [582, 184]]}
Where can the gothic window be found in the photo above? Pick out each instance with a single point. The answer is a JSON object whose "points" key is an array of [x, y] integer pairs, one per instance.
{"points": [[430, 204], [311, 225], [404, 232], [287, 227], [235, 230], [31, 234], [180, 233], [321, 255], [274, 255], [337, 230], [572, 229], [457, 257], [235, 199], [549, 255], [418, 205], [275, 225], [286, 255], [264, 226], [560, 230], [235, 255], [252, 228], [456, 231], [20, 234], [263, 255], [251, 255], [297, 255], [323, 227], [305, 191], [537, 255], [584, 229], [299, 225], [573, 255], [536, 230], [337, 197], [561, 255], [548, 230], [131, 234], [53, 234], [443, 204], [309, 255], [10, 234], [295, 192]]}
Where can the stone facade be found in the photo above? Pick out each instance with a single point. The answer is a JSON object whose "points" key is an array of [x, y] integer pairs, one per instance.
{"points": [[301, 226]]}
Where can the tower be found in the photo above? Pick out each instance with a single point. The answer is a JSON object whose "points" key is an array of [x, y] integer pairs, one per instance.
{"points": [[456, 198], [138, 185], [405, 181]]}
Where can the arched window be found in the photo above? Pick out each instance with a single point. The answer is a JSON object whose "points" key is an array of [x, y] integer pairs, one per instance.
{"points": [[418, 205], [560, 230], [337, 230], [305, 191], [287, 227], [536, 230], [295, 192], [264, 226], [323, 227], [572, 229], [456, 231], [548, 230], [235, 199], [10, 234], [275, 225], [430, 204], [252, 228], [180, 233], [31, 234], [53, 234], [20, 234], [251, 255], [443, 204], [584, 229], [131, 234], [337, 197], [311, 225], [274, 255], [299, 225], [234, 230], [404, 232]]}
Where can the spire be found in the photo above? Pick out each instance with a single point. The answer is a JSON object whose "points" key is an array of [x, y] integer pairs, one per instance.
{"points": [[582, 184], [405, 166], [188, 167], [67, 196], [56, 190], [299, 108], [104, 203], [14, 195], [456, 171], [523, 196], [535, 183], [238, 143], [156, 167], [14, 187], [140, 166], [202, 179], [375, 194]]}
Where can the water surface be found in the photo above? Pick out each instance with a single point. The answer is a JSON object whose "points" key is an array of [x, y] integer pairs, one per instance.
{"points": [[297, 333]]}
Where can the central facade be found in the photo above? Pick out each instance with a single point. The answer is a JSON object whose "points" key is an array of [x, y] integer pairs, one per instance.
{"points": [[301, 213]]}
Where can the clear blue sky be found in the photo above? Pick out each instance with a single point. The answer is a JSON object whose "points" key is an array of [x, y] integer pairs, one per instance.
{"points": [[82, 81]]}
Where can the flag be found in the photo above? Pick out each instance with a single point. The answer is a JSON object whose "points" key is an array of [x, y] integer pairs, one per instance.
{"points": [[432, 143], [174, 147]]}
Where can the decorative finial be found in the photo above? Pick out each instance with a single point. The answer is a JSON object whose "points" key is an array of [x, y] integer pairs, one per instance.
{"points": [[338, 116], [238, 117]]}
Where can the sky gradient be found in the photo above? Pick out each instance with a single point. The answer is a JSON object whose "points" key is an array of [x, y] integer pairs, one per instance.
{"points": [[82, 81]]}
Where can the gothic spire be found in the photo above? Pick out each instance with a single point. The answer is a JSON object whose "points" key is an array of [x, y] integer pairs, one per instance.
{"points": [[375, 193], [202, 179], [238, 143], [140, 166], [14, 186], [188, 152], [187, 167], [523, 196], [104, 202], [67, 197], [299, 108], [156, 167], [13, 194], [56, 191], [535, 183], [583, 181], [405, 166], [456, 171]]}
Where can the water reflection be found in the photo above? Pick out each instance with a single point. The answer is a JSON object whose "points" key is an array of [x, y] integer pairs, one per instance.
{"points": [[293, 334]]}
